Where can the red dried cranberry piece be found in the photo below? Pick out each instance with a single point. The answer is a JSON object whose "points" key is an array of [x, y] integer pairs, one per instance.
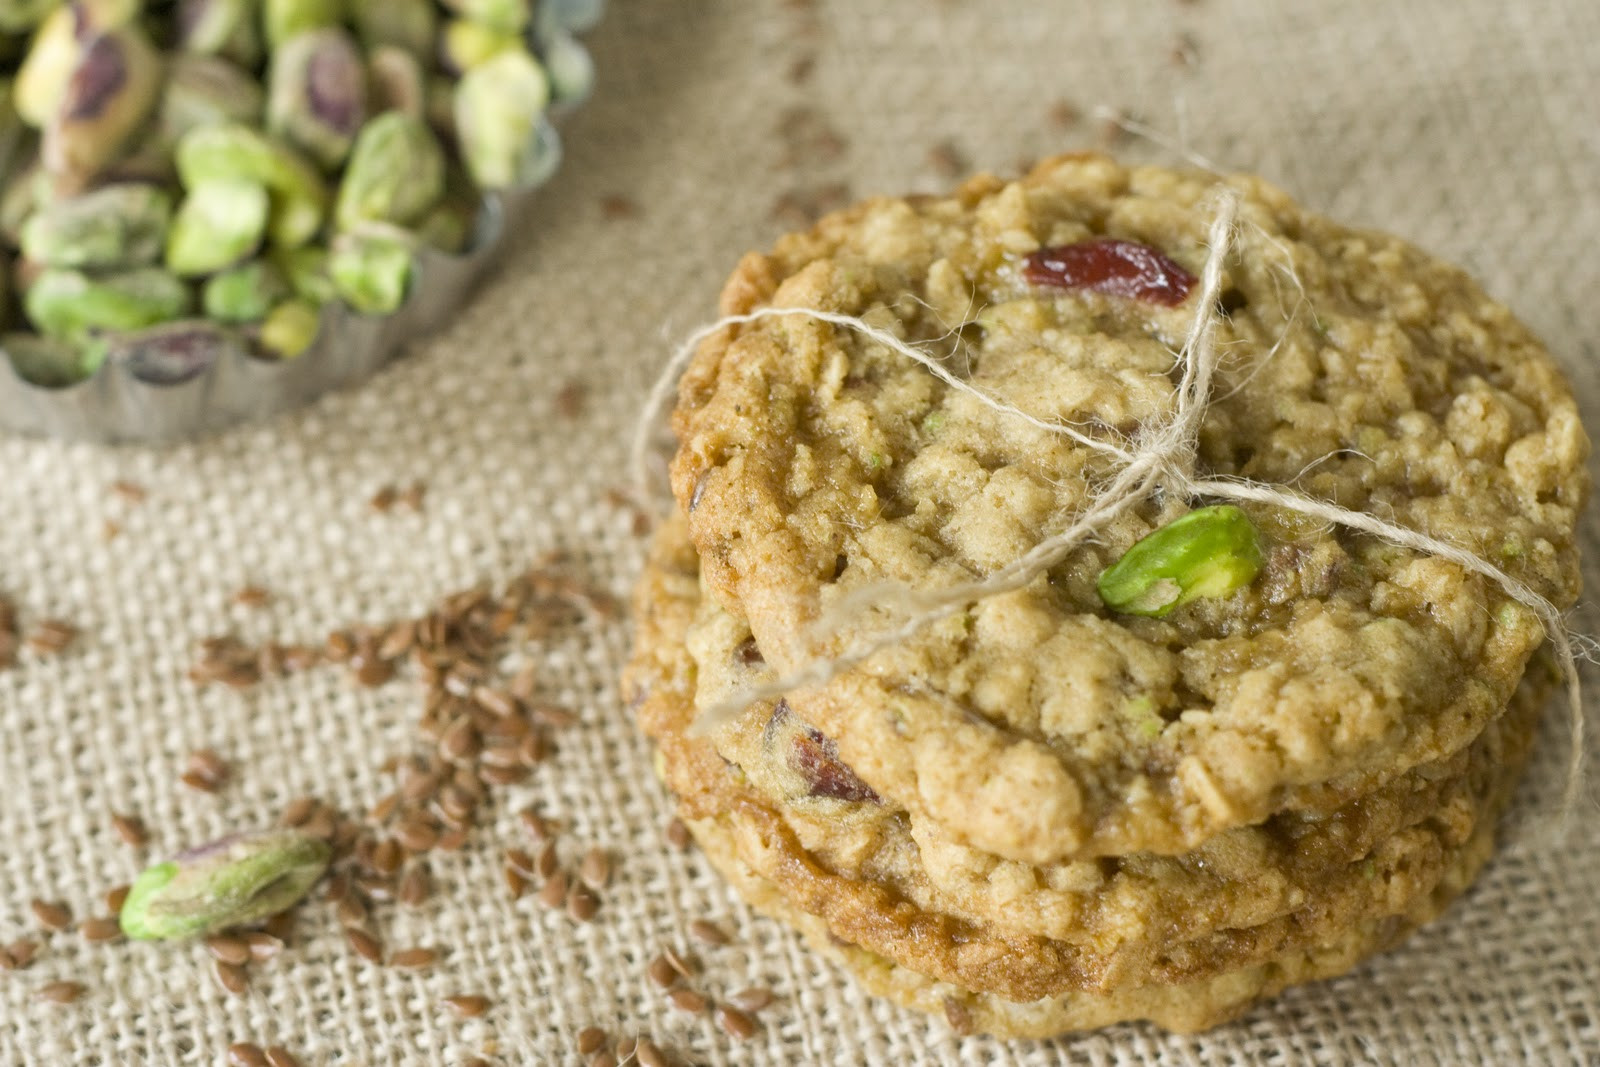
{"points": [[815, 758], [1112, 266]]}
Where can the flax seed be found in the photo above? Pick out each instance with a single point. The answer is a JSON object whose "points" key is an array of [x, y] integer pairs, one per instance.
{"points": [[415, 836], [957, 1015], [384, 808], [708, 932], [752, 999], [278, 1056], [503, 775], [467, 1006], [231, 977], [338, 648], [384, 499], [649, 1056], [252, 596], [533, 749], [52, 915], [460, 742], [205, 762], [451, 840], [684, 965], [263, 946], [536, 825], [677, 834], [414, 495], [520, 860], [524, 682], [595, 870], [502, 757], [270, 661], [735, 1023], [352, 911], [626, 1047], [297, 658], [60, 992], [130, 828], [373, 673], [234, 950], [416, 886], [412, 958], [582, 904], [117, 896], [19, 954], [687, 1000], [52, 636], [298, 811], [554, 892], [280, 926], [100, 930], [591, 1039], [132, 492], [602, 1059], [198, 782], [662, 973], [244, 1054], [554, 716], [364, 944], [548, 862], [494, 700], [387, 856], [516, 884]]}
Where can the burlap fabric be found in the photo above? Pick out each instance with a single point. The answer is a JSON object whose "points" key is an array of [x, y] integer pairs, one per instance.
{"points": [[1468, 125]]}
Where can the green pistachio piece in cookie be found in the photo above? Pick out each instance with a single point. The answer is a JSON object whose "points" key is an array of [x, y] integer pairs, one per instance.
{"points": [[1212, 552]]}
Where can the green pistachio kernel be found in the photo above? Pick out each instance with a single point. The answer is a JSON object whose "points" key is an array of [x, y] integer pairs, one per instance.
{"points": [[237, 880], [1211, 552]]}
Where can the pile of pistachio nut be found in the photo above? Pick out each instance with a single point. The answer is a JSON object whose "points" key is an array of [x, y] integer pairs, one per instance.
{"points": [[194, 173]]}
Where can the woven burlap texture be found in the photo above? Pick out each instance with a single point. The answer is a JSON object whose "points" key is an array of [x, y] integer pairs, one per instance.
{"points": [[1467, 125]]}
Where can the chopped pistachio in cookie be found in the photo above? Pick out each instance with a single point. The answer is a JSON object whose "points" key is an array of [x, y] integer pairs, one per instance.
{"points": [[1072, 719]]}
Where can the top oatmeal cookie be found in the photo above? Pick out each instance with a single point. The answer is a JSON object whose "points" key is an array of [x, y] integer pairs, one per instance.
{"points": [[1040, 725]]}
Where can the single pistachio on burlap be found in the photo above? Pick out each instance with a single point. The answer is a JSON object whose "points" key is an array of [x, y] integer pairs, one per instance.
{"points": [[290, 329], [70, 303], [115, 226], [229, 28], [507, 16], [411, 25], [306, 270], [232, 151], [317, 98], [219, 223], [42, 79], [245, 293], [498, 108], [398, 82], [286, 19], [569, 67], [20, 16], [51, 362], [372, 267], [115, 85], [396, 173], [173, 352], [1211, 552], [207, 90], [240, 879], [468, 44]]}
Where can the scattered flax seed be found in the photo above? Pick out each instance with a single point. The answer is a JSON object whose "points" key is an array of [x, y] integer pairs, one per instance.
{"points": [[19, 954], [229, 949], [415, 835], [52, 636], [100, 930], [467, 1006], [299, 811], [649, 1056], [245, 1054], [413, 496], [451, 840], [384, 499], [384, 808], [591, 1039], [199, 782], [412, 958], [52, 915], [1064, 115], [252, 596], [708, 932], [626, 1047], [280, 926], [572, 398], [207, 766], [536, 825], [595, 870], [662, 973], [735, 1023], [947, 160], [416, 886], [582, 904], [677, 834], [351, 911], [263, 945], [752, 999], [364, 944], [131, 829], [520, 860], [802, 68], [683, 965], [278, 1056], [554, 892], [549, 861], [617, 207], [132, 492], [602, 1059], [516, 884], [60, 992], [387, 856], [373, 673], [687, 1000], [117, 896], [231, 977]]}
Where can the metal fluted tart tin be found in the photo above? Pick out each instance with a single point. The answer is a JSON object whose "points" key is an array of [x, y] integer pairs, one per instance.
{"points": [[135, 400]]}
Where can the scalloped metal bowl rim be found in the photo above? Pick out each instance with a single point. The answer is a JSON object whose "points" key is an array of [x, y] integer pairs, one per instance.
{"points": [[52, 409]]}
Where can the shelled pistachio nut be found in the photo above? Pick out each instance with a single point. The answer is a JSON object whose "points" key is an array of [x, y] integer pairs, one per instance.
{"points": [[290, 329], [1210, 552], [467, 44], [51, 362], [219, 223], [20, 16], [173, 352], [229, 28], [115, 85], [207, 91], [42, 79], [508, 16], [306, 271], [245, 293], [282, 20], [234, 152], [371, 268], [398, 81], [498, 106], [396, 173], [115, 226], [317, 97], [70, 303]]}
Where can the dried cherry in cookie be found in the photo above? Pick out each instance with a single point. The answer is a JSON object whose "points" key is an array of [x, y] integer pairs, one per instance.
{"points": [[815, 758], [1112, 266]]}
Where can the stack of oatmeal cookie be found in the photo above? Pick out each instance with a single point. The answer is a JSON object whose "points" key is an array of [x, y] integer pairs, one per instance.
{"points": [[1210, 753]]}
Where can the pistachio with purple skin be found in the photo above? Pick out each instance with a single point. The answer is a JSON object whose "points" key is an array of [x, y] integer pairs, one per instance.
{"points": [[115, 85], [317, 99], [173, 352], [237, 880]]}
